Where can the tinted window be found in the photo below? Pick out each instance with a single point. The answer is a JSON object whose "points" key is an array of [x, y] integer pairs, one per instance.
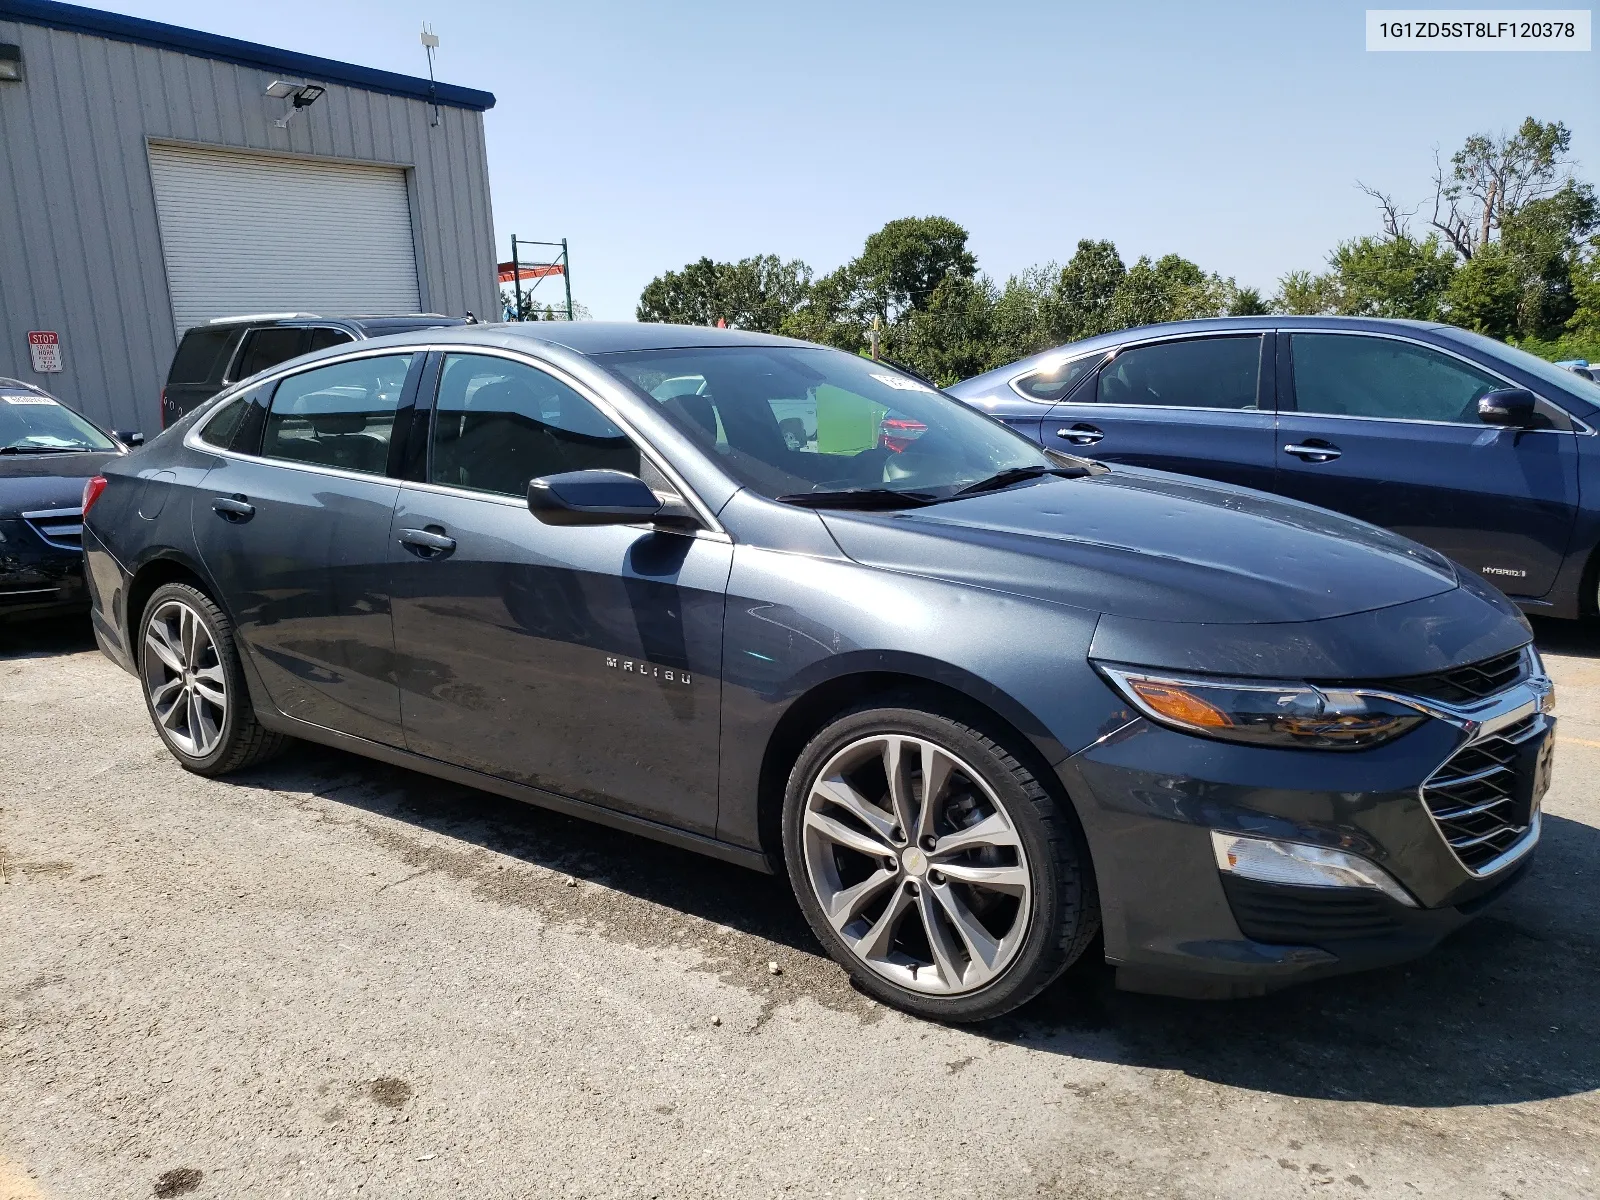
{"points": [[219, 430], [237, 424], [1204, 373], [498, 424], [1055, 382], [1378, 377], [788, 421], [264, 348], [338, 416], [199, 357], [322, 338]]}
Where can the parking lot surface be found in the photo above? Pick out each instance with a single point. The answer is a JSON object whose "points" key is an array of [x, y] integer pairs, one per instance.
{"points": [[328, 977]]}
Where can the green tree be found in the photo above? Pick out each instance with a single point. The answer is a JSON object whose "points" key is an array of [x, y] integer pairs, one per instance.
{"points": [[1303, 294], [1585, 319], [759, 293], [1492, 177], [904, 262], [952, 335], [1396, 277], [1485, 291], [1170, 289], [1080, 304], [1247, 302]]}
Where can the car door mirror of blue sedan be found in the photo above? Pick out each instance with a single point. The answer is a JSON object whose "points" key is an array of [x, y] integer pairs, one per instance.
{"points": [[592, 498], [1517, 407]]}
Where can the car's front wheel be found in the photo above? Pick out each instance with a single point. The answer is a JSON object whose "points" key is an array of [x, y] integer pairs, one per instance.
{"points": [[194, 686], [933, 865]]}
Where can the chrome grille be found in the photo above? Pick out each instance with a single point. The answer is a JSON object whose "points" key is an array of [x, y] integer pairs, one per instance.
{"points": [[1474, 796], [59, 527]]}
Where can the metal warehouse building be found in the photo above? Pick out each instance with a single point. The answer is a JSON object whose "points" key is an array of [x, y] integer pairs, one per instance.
{"points": [[149, 182]]}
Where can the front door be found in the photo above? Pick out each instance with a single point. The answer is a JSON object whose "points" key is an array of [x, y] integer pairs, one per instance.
{"points": [[293, 524], [584, 661], [1387, 430], [1197, 406]]}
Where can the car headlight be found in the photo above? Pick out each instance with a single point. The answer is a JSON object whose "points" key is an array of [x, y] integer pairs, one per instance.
{"points": [[1266, 713]]}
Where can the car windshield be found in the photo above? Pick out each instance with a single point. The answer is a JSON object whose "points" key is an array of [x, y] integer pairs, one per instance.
{"points": [[801, 424], [35, 424], [1567, 381]]}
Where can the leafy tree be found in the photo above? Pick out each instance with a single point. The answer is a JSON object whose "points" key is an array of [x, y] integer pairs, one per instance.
{"points": [[1484, 293], [1397, 277], [951, 336], [1492, 177], [1247, 302], [1585, 319], [1302, 294], [1169, 289], [1080, 305], [759, 293], [903, 263]]}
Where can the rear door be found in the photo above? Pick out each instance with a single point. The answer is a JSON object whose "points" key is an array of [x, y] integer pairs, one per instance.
{"points": [[1387, 430], [1194, 405], [293, 524]]}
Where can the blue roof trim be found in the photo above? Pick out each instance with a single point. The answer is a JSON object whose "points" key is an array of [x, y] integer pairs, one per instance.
{"points": [[75, 19]]}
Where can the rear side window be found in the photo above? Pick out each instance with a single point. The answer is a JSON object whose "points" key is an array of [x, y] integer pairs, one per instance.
{"points": [[1057, 382], [200, 356], [341, 415], [498, 424], [1351, 376], [219, 430], [265, 348], [1202, 373], [237, 424], [322, 338]]}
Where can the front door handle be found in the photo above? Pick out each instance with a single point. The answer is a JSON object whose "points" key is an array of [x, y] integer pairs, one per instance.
{"points": [[1081, 434], [236, 510], [1313, 451], [427, 543]]}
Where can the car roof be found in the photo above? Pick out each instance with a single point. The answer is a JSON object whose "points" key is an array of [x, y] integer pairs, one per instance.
{"points": [[593, 337], [1106, 341]]}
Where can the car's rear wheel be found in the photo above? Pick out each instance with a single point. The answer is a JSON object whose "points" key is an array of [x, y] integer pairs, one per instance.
{"points": [[194, 687], [933, 865]]}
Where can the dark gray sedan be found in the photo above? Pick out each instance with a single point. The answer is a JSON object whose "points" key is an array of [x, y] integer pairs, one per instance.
{"points": [[798, 610]]}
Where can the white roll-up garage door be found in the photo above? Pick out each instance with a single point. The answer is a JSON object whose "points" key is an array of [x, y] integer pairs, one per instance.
{"points": [[246, 233]]}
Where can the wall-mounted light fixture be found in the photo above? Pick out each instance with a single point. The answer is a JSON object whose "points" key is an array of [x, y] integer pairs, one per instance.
{"points": [[301, 95], [10, 63]]}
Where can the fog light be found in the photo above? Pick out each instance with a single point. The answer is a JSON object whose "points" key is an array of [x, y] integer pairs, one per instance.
{"points": [[1299, 865]]}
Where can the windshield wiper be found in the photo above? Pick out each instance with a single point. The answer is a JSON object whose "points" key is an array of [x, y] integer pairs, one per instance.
{"points": [[1011, 475], [863, 498], [45, 450]]}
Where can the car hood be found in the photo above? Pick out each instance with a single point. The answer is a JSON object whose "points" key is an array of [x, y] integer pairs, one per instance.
{"points": [[1150, 546], [39, 482]]}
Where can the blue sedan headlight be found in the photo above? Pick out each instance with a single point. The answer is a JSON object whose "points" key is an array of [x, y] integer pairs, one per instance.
{"points": [[1266, 713]]}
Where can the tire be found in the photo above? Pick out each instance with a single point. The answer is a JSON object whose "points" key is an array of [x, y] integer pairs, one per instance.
{"points": [[993, 884], [194, 687]]}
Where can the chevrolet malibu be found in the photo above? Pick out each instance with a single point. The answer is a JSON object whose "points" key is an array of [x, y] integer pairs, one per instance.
{"points": [[979, 700]]}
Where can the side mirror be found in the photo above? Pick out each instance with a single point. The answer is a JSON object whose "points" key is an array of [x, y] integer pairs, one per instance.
{"points": [[592, 498], [1508, 406], [130, 437]]}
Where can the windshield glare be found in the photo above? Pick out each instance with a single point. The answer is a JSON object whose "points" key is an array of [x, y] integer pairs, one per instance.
{"points": [[787, 422], [37, 423]]}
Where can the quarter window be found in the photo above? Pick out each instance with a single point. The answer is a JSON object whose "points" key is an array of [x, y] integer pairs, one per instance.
{"points": [[341, 415], [1200, 373], [323, 337], [1351, 376], [498, 424], [1057, 382], [197, 358]]}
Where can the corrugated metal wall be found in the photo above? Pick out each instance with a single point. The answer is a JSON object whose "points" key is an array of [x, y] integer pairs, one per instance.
{"points": [[80, 251]]}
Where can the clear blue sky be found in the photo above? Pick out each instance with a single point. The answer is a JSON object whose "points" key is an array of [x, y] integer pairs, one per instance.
{"points": [[650, 134]]}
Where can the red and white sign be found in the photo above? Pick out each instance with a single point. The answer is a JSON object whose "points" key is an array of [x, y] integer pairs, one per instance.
{"points": [[45, 347]]}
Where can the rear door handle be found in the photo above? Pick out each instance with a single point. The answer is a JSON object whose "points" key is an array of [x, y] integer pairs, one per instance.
{"points": [[1081, 434], [234, 509], [427, 543], [1313, 452]]}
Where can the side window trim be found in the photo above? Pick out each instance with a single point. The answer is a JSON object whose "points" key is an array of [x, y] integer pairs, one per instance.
{"points": [[1289, 403], [415, 449]]}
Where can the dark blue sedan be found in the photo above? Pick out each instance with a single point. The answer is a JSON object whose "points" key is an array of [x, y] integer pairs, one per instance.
{"points": [[1475, 448]]}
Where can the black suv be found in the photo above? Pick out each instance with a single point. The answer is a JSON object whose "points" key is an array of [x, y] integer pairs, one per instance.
{"points": [[227, 349]]}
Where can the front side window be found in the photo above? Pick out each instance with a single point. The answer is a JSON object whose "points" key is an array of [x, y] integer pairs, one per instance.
{"points": [[1202, 373], [787, 422], [499, 423], [35, 424], [1352, 376], [266, 348], [341, 415]]}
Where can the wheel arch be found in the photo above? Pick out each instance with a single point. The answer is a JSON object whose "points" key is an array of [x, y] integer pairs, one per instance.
{"points": [[972, 701]]}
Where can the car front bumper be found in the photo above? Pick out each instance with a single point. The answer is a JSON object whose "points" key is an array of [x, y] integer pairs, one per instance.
{"points": [[38, 579], [1175, 923]]}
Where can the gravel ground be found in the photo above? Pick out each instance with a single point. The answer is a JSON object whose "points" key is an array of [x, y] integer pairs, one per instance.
{"points": [[333, 978]]}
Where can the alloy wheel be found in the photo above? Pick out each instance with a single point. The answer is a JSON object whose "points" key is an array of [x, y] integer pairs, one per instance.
{"points": [[183, 675], [916, 864]]}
